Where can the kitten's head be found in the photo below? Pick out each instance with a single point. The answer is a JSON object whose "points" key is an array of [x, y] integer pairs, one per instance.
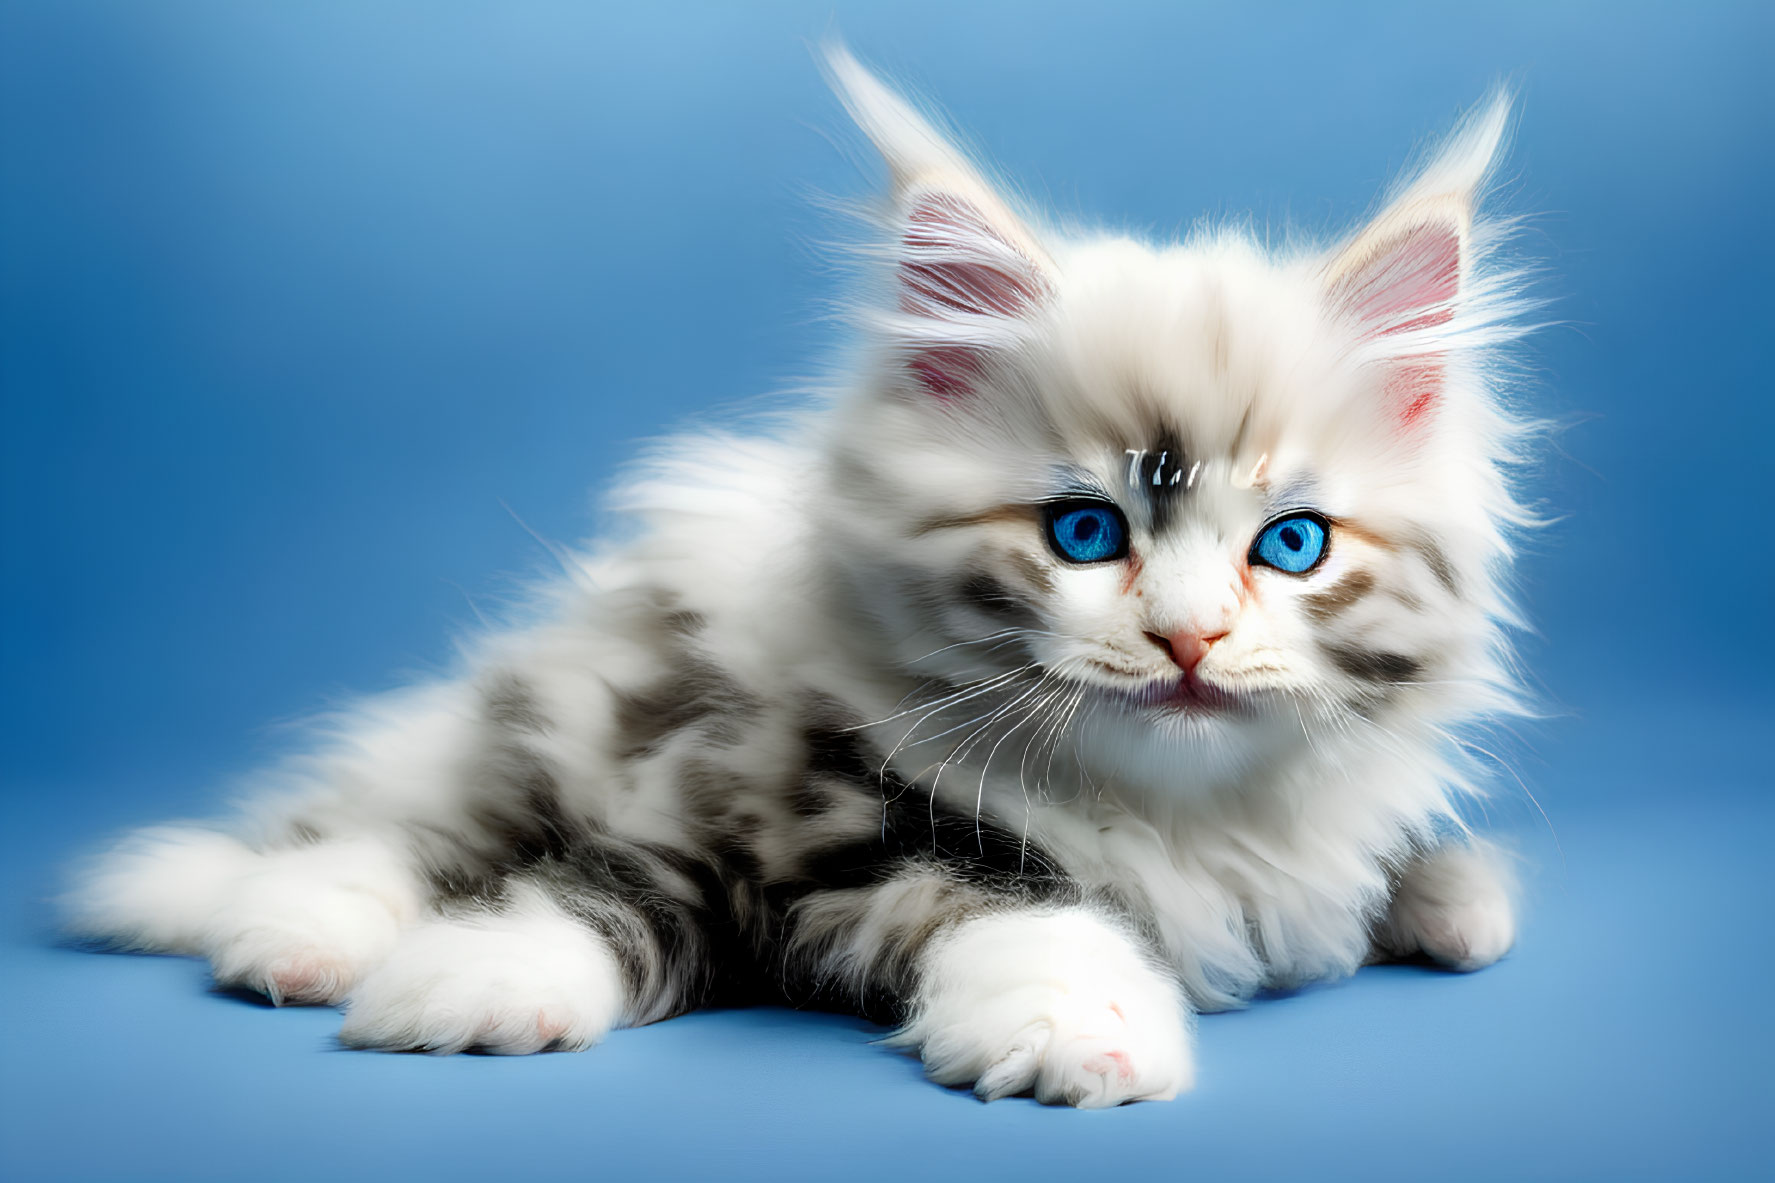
{"points": [[1202, 493]]}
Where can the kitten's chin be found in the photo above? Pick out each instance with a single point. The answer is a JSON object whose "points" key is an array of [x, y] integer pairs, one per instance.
{"points": [[1173, 744], [1182, 734]]}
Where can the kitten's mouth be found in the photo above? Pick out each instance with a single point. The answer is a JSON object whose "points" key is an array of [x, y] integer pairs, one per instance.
{"points": [[1188, 695], [1191, 695]]}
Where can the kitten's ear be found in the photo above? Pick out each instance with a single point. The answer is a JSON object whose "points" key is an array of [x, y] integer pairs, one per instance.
{"points": [[967, 271], [1403, 278]]}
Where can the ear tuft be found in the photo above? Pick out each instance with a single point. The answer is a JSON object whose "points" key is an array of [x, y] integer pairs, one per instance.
{"points": [[967, 271], [914, 151], [1405, 275]]}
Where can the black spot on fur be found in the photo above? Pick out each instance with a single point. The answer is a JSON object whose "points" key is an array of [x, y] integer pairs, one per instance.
{"points": [[1372, 666], [912, 825], [694, 692], [707, 919], [809, 800], [632, 895], [987, 594], [520, 814], [509, 703], [685, 623], [839, 752]]}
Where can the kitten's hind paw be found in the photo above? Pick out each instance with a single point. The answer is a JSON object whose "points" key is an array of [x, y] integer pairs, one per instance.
{"points": [[1059, 1005], [1454, 906], [527, 980], [306, 922]]}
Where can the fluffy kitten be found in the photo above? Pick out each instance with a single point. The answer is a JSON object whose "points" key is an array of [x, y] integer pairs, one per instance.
{"points": [[1090, 660]]}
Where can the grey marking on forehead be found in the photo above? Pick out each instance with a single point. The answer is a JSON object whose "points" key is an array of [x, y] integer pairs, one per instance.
{"points": [[1160, 474]]}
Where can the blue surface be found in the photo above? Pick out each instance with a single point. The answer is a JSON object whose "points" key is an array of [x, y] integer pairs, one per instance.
{"points": [[295, 297]]}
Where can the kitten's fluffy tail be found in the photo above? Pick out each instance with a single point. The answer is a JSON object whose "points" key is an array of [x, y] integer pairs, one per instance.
{"points": [[157, 890]]}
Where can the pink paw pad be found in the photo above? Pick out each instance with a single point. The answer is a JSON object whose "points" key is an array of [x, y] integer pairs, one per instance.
{"points": [[297, 980], [1112, 1061], [550, 1028]]}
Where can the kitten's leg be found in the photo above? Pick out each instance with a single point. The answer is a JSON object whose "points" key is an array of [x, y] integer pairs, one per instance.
{"points": [[607, 933], [1059, 1000], [1454, 905], [525, 977], [299, 923]]}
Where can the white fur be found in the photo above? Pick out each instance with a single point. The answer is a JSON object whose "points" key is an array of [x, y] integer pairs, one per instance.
{"points": [[304, 923], [298, 924], [158, 889], [1455, 907], [1060, 1004], [526, 980]]}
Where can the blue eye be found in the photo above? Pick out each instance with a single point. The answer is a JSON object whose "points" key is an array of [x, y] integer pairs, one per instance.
{"points": [[1087, 531], [1294, 544]]}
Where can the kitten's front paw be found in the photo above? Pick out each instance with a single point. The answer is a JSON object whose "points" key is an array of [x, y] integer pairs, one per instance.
{"points": [[303, 924], [527, 980], [1060, 1005], [1454, 906]]}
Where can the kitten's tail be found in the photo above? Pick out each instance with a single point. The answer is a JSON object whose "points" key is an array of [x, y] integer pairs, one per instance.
{"points": [[157, 890]]}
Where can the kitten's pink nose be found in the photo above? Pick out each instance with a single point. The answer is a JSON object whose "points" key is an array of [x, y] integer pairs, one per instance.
{"points": [[1186, 648]]}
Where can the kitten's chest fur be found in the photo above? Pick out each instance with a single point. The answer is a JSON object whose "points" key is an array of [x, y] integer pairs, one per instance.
{"points": [[774, 771]]}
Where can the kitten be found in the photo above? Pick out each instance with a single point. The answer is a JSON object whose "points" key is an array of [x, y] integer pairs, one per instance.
{"points": [[1091, 660]]}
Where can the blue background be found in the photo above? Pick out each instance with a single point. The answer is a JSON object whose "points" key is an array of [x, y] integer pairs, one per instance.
{"points": [[296, 296]]}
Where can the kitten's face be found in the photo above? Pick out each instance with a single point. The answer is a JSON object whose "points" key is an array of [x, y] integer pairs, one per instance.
{"points": [[1172, 502], [1202, 496]]}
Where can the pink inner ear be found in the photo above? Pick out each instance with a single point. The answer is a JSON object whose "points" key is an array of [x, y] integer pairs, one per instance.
{"points": [[1413, 387], [947, 371], [1411, 283], [955, 268], [952, 258]]}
